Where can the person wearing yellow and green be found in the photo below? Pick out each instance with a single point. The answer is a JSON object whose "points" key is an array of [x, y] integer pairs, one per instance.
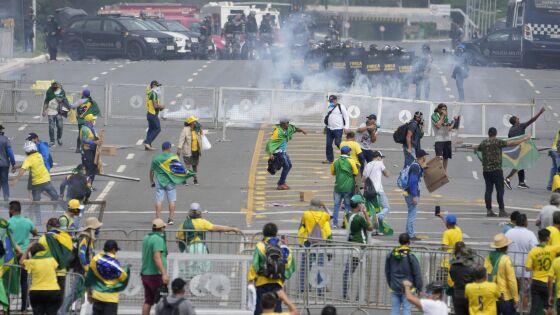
{"points": [[90, 141], [555, 156], [482, 294], [500, 271], [554, 282], [356, 153], [154, 264], [189, 145], [345, 170], [153, 107], [68, 219], [276, 148], [266, 279], [84, 106]]}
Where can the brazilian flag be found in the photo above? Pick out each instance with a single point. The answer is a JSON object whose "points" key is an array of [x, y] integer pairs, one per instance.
{"points": [[169, 170], [60, 246], [10, 275], [519, 157], [106, 275], [374, 208]]}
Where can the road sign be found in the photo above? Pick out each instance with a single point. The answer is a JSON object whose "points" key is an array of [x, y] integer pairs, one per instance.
{"points": [[188, 103], [318, 277], [353, 111], [136, 101], [21, 106], [440, 9], [405, 116]]}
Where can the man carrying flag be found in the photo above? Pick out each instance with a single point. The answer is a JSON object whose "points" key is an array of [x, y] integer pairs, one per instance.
{"points": [[10, 275], [106, 277], [166, 172]]}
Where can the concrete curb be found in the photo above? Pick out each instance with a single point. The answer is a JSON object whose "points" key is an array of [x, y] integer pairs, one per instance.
{"points": [[19, 63]]}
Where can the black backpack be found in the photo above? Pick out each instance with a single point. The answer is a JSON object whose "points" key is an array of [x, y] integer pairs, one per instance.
{"points": [[274, 265], [170, 308], [326, 120], [399, 136]]}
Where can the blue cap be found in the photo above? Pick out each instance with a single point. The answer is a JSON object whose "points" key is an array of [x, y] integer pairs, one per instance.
{"points": [[166, 145], [345, 149], [451, 219], [86, 93]]}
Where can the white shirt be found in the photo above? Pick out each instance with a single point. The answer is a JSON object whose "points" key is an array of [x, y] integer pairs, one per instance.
{"points": [[374, 170], [545, 216], [523, 241], [431, 307], [52, 107], [364, 139], [335, 118]]}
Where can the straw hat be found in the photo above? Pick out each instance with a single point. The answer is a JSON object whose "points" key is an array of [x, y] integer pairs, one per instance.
{"points": [[92, 223], [500, 241]]}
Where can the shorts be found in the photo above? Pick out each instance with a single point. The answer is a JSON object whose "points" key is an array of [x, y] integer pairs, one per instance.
{"points": [[152, 284], [443, 149], [168, 191], [539, 295], [193, 159]]}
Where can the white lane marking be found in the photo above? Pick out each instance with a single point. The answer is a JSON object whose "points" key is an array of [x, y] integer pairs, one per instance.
{"points": [[475, 174], [451, 96], [199, 70], [84, 86], [517, 70], [204, 66], [113, 69], [120, 66], [530, 83], [444, 80], [448, 89], [121, 168], [36, 117], [549, 107], [559, 121], [208, 61], [139, 142], [104, 72], [189, 80], [130, 156], [179, 95], [522, 75], [94, 79], [469, 158], [555, 114], [537, 92], [22, 127], [195, 74], [101, 196], [440, 72]]}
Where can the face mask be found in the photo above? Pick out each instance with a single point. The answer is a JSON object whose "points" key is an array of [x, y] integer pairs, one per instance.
{"points": [[96, 232], [157, 90]]}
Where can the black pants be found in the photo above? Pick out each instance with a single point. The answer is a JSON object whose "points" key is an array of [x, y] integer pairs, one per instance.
{"points": [[24, 288], [88, 161], [79, 140], [61, 283], [494, 178], [539, 297], [460, 303], [263, 289], [506, 307], [53, 50], [45, 302], [105, 308], [520, 175]]}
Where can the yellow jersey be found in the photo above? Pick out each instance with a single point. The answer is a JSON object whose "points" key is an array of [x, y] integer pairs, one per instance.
{"points": [[38, 171], [43, 273], [194, 142], [539, 260], [554, 236], [355, 149], [554, 274], [505, 277], [482, 297]]}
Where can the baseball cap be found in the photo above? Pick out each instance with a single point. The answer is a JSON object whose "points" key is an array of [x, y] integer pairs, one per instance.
{"points": [[333, 97], [166, 145], [86, 93], [158, 223], [451, 219], [372, 116], [284, 120], [345, 149], [195, 206], [421, 153], [316, 202], [155, 82], [31, 136], [75, 204], [178, 284], [111, 245], [357, 199], [377, 154]]}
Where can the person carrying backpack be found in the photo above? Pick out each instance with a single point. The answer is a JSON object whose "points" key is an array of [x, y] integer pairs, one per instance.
{"points": [[176, 304], [409, 181], [336, 122], [314, 230], [409, 136], [500, 271], [272, 265]]}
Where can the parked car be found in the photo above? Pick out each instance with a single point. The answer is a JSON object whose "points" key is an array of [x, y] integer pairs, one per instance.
{"points": [[500, 46], [198, 46], [181, 40], [113, 36]]}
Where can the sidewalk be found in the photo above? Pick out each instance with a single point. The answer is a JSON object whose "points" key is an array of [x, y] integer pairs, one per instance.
{"points": [[18, 63]]}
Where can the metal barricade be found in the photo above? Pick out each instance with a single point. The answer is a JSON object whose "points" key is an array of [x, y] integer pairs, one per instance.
{"points": [[215, 280], [245, 106]]}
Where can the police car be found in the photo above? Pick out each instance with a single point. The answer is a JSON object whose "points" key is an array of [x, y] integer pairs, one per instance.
{"points": [[500, 46], [110, 36]]}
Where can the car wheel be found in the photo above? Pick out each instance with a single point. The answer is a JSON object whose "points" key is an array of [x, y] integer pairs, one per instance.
{"points": [[529, 60], [76, 51], [134, 51]]}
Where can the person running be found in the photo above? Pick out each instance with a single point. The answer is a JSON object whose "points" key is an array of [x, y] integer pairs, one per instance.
{"points": [[482, 294], [366, 135], [276, 148], [412, 193], [78, 185], [373, 170], [443, 125], [345, 170], [7, 159], [90, 141], [337, 122], [153, 107], [433, 304], [491, 150], [84, 106], [154, 264], [189, 146], [501, 271], [518, 129]]}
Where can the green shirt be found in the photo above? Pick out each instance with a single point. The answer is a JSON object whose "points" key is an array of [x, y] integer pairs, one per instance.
{"points": [[152, 243], [357, 232], [20, 227], [491, 150]]}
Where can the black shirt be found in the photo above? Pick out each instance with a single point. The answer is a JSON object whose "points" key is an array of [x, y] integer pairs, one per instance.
{"points": [[518, 130]]}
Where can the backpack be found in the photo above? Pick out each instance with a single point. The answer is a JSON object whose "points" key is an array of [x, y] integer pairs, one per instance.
{"points": [[326, 120], [402, 180], [274, 265], [399, 136], [370, 193], [170, 308]]}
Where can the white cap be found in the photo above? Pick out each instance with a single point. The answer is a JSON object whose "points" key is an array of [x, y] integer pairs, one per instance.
{"points": [[29, 146], [195, 206]]}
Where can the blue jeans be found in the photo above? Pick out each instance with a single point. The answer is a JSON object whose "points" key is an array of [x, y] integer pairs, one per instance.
{"points": [[286, 167], [398, 299], [4, 172], [336, 136], [412, 211], [154, 128], [55, 122], [408, 157], [555, 156], [339, 197], [384, 203], [36, 192]]}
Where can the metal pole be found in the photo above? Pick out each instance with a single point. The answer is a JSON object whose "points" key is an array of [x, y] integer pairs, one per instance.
{"points": [[34, 4], [344, 28]]}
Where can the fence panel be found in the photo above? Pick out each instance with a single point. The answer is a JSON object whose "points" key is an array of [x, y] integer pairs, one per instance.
{"points": [[497, 115], [245, 105], [302, 107], [359, 107], [395, 112], [182, 102]]}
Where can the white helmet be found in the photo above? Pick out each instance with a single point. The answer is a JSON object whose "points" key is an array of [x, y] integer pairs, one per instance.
{"points": [[29, 146]]}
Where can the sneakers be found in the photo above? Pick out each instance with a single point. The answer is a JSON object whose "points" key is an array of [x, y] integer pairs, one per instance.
{"points": [[195, 182], [59, 142], [522, 186], [507, 182], [51, 144], [170, 222], [283, 187], [148, 147], [503, 214], [415, 239], [326, 162], [490, 213]]}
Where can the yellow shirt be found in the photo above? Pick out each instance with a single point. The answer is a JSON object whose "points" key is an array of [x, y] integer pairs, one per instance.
{"points": [[152, 102], [482, 298], [451, 237], [43, 241], [554, 236], [39, 173], [539, 260], [554, 274], [194, 142], [43, 273], [355, 149], [555, 183], [308, 221], [505, 277]]}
